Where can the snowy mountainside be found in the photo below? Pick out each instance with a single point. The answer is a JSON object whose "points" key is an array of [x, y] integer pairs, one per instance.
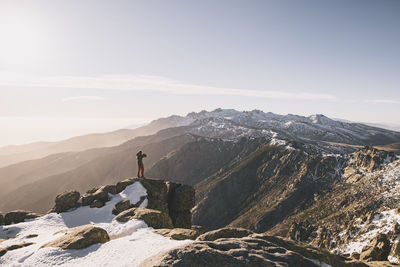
{"points": [[131, 242], [233, 124]]}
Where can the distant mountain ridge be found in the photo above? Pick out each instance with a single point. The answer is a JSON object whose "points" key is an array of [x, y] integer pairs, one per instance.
{"points": [[234, 134]]}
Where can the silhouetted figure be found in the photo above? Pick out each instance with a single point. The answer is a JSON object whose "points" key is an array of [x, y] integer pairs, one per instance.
{"points": [[140, 155]]}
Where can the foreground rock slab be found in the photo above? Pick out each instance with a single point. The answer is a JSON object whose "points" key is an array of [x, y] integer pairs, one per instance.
{"points": [[80, 237], [232, 252]]}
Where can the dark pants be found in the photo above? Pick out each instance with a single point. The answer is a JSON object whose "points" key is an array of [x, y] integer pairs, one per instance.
{"points": [[140, 172]]}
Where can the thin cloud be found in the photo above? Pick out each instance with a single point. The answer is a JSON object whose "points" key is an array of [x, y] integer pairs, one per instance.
{"points": [[83, 98], [147, 83], [383, 101]]}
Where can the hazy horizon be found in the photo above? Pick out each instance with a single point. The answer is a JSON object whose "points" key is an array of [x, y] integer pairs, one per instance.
{"points": [[73, 67], [106, 125]]}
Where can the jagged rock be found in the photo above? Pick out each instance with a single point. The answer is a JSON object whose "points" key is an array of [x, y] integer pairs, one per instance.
{"points": [[122, 185], [300, 231], [66, 201], [80, 237], [1, 219], [31, 236], [13, 247], [18, 216], [101, 194], [233, 252], [153, 218], [228, 232], [181, 199], [395, 250], [97, 204], [377, 249], [179, 233], [121, 206]]}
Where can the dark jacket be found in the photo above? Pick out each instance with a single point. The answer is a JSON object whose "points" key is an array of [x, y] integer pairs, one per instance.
{"points": [[140, 157]]}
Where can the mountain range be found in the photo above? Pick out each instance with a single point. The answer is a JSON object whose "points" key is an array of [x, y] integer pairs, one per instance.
{"points": [[312, 179]]}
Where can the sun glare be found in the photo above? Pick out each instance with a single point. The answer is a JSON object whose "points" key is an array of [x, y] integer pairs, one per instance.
{"points": [[23, 41]]}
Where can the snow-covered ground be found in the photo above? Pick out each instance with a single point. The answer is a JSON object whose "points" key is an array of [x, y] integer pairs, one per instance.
{"points": [[130, 244]]}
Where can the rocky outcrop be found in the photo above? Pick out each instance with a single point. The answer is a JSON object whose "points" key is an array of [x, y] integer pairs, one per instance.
{"points": [[66, 201], [153, 218], [1, 219], [13, 247], [378, 249], [174, 200], [179, 233], [18, 216], [228, 232], [232, 252], [157, 194], [97, 198], [80, 237]]}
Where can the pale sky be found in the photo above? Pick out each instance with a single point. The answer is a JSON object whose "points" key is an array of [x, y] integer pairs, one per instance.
{"points": [[69, 67]]}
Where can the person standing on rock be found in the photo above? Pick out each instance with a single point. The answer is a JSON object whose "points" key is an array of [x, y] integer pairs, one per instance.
{"points": [[140, 155]]}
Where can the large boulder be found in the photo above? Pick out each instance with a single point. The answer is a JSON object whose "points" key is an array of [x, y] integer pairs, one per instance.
{"points": [[181, 199], [228, 232], [100, 195], [1, 219], [18, 216], [80, 237], [66, 201], [121, 206], [377, 249], [153, 218], [233, 252], [179, 233]]}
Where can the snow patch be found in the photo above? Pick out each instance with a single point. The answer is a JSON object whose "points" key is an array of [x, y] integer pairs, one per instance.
{"points": [[130, 243]]}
